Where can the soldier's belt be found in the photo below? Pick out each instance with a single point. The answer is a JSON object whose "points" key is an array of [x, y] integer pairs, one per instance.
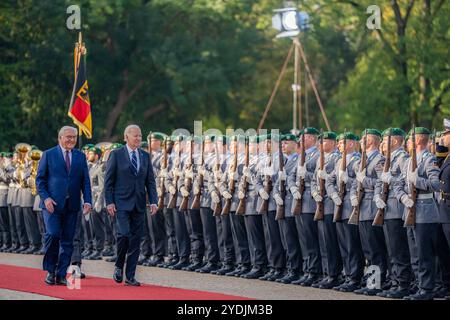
{"points": [[3, 187], [424, 196]]}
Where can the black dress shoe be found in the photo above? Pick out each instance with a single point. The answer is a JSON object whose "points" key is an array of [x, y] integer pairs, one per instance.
{"points": [[399, 293], [360, 291], [13, 248], [193, 266], [86, 253], [50, 279], [441, 292], [61, 281], [421, 295], [208, 268], [180, 265], [107, 252], [132, 282], [37, 250], [112, 259], [330, 283], [142, 259], [239, 271], [254, 273], [20, 249], [301, 280], [267, 275], [289, 277], [372, 292], [96, 255], [312, 278], [278, 274], [226, 268], [29, 250], [155, 261], [118, 275], [350, 286]]}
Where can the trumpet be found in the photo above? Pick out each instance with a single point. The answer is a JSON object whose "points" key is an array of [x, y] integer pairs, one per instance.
{"points": [[35, 156]]}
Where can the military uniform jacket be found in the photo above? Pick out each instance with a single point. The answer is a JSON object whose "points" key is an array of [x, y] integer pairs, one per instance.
{"points": [[263, 168], [289, 168], [394, 208], [176, 170], [215, 177], [332, 183], [97, 176], [329, 164], [3, 188], [427, 183], [311, 158], [372, 170], [251, 198], [444, 205], [228, 175], [25, 198], [13, 190]]}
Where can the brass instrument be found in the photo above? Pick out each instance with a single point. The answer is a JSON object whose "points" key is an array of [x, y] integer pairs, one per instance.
{"points": [[35, 156], [22, 150]]}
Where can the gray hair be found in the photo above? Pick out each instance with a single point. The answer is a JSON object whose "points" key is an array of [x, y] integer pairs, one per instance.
{"points": [[65, 128], [128, 129]]}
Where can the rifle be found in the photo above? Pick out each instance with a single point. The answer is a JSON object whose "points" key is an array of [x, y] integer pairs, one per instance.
{"points": [[241, 206], [301, 188], [342, 191], [280, 214], [433, 143], [379, 216], [188, 181], [231, 183], [410, 219], [173, 199], [162, 179], [263, 208], [198, 195], [320, 210], [217, 206], [354, 216]]}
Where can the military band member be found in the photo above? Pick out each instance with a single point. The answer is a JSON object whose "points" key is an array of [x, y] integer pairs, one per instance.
{"points": [[306, 226], [348, 234], [329, 246], [5, 230], [426, 180]]}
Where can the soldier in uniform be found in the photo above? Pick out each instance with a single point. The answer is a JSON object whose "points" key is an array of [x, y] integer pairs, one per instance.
{"points": [[210, 234], [329, 246], [87, 241], [372, 238], [306, 226], [426, 180], [156, 221], [269, 167], [5, 237], [288, 229], [394, 231], [348, 234]]}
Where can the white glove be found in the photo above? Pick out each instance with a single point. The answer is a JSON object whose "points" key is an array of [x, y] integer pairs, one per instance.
{"points": [[335, 197], [189, 174], [354, 201], [268, 171], [386, 177], [241, 195], [163, 173], [278, 200], [217, 174], [295, 193], [233, 175], [227, 195], [159, 191], [184, 192], [412, 177], [322, 174], [407, 201], [282, 175], [360, 176], [301, 172], [343, 176], [172, 190], [246, 172], [196, 188], [379, 202], [317, 197], [263, 194], [215, 198]]}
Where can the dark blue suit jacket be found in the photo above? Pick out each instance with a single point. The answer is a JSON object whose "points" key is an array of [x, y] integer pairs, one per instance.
{"points": [[54, 181], [125, 189]]}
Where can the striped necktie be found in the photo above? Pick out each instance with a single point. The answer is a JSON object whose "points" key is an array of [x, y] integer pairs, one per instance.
{"points": [[134, 161]]}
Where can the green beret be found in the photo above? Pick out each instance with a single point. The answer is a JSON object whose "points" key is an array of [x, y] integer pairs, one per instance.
{"points": [[374, 132], [310, 130], [96, 150], [330, 135], [289, 137], [253, 139], [237, 137], [394, 132], [265, 137], [209, 138], [33, 147], [157, 135], [87, 146], [178, 138], [421, 130], [438, 134], [144, 144], [348, 136], [115, 146]]}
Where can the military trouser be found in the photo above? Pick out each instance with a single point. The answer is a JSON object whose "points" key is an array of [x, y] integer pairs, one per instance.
{"points": [[212, 251], [255, 233], [88, 237], [31, 226], [182, 235], [195, 234], [274, 245], [398, 252], [5, 233], [169, 224], [77, 241], [146, 243], [293, 251], [225, 239], [329, 247], [443, 255], [374, 246], [309, 242], [355, 256], [20, 226], [240, 239], [157, 232], [12, 227]]}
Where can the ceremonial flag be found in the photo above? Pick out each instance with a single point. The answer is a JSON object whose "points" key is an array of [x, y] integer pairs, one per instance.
{"points": [[80, 105]]}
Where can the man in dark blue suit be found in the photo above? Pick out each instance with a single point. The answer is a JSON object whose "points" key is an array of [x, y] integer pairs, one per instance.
{"points": [[128, 179], [61, 178]]}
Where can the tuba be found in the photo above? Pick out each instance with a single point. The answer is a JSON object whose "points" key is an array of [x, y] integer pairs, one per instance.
{"points": [[22, 150], [35, 156]]}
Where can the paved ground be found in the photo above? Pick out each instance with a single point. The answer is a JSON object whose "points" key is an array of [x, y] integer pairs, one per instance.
{"points": [[256, 289]]}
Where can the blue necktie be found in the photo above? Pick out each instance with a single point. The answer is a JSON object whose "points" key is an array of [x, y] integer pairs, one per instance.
{"points": [[134, 161]]}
